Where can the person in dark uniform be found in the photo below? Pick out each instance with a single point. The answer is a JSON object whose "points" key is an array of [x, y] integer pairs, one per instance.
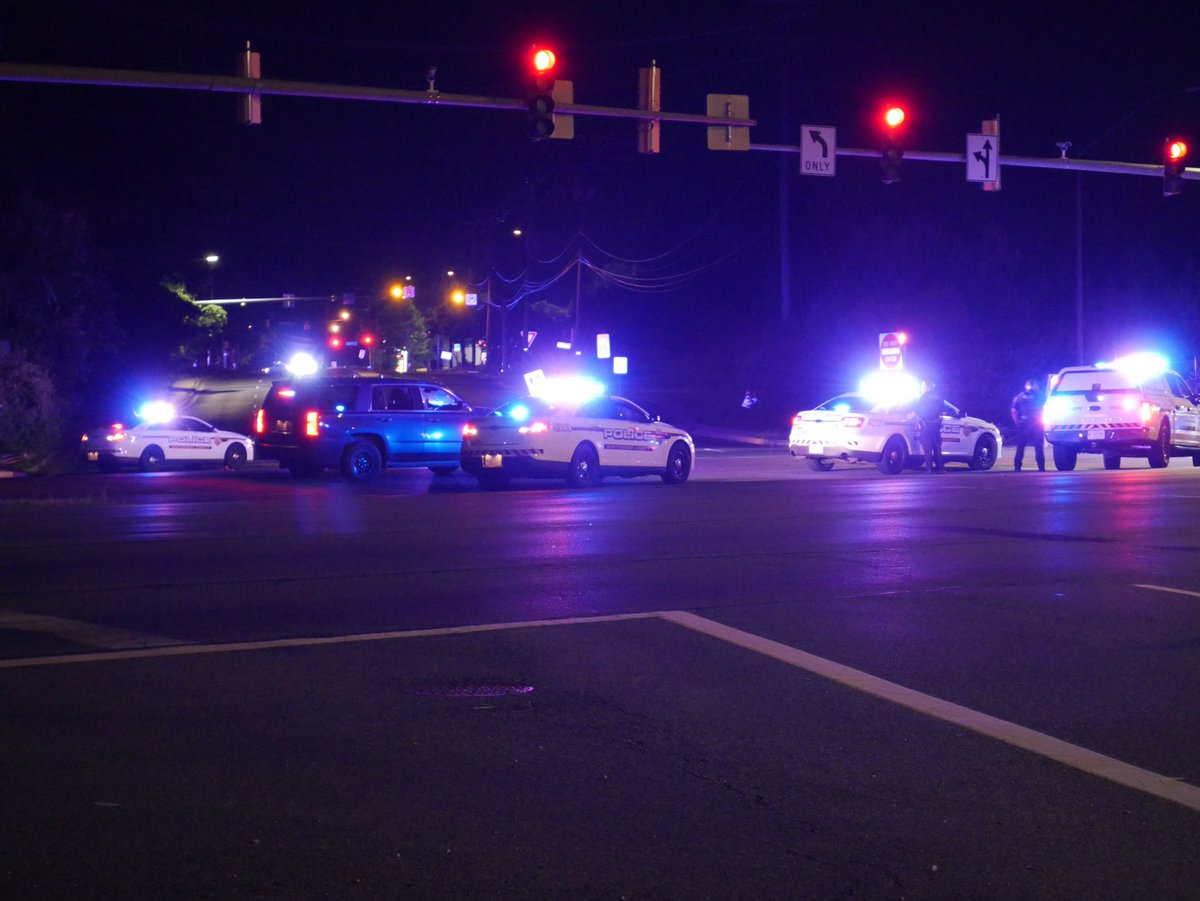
{"points": [[1027, 417], [928, 409]]}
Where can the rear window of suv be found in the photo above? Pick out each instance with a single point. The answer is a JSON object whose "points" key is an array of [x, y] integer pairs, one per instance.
{"points": [[1092, 380], [335, 397]]}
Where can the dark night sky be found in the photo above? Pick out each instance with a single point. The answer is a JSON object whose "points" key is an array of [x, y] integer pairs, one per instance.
{"points": [[331, 196]]}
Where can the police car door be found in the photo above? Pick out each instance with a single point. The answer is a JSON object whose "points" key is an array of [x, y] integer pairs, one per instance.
{"points": [[1185, 415], [185, 438], [954, 440], [630, 438]]}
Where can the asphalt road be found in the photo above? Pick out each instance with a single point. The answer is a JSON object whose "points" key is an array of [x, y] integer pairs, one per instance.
{"points": [[768, 682]]}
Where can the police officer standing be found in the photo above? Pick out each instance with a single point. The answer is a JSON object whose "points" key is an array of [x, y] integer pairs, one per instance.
{"points": [[928, 409], [1027, 417]]}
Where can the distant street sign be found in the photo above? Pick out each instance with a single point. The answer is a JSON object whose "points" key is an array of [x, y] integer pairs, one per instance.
{"points": [[472, 300], [891, 350], [818, 150], [983, 158]]}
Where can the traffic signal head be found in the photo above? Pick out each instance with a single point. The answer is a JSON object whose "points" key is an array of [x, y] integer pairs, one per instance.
{"points": [[892, 151], [540, 99], [335, 342], [366, 339], [1174, 156]]}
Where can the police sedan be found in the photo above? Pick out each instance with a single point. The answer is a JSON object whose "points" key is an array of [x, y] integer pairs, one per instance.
{"points": [[173, 440], [856, 428], [581, 441]]}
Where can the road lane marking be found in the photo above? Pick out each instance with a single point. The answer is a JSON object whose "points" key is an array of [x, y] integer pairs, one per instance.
{"points": [[1010, 733], [91, 635], [1190, 594], [1076, 757], [189, 650]]}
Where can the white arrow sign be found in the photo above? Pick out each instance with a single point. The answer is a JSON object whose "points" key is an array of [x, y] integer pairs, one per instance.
{"points": [[818, 150], [983, 158]]}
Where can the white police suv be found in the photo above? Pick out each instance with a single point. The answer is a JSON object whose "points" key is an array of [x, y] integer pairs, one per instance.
{"points": [[581, 439]]}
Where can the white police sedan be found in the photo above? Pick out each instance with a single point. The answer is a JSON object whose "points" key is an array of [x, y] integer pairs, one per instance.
{"points": [[581, 440], [175, 440], [855, 428]]}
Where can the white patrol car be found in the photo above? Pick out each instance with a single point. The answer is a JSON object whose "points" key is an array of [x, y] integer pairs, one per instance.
{"points": [[579, 441], [1133, 407], [851, 428], [150, 445]]}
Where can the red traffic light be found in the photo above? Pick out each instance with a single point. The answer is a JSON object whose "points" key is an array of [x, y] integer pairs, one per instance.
{"points": [[543, 60], [893, 116], [335, 341], [1176, 150], [368, 339]]}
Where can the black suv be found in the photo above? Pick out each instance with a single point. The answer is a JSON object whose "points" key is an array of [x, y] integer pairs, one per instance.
{"points": [[360, 425]]}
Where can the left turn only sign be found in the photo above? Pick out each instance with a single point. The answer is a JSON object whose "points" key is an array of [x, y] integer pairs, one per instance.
{"points": [[818, 150]]}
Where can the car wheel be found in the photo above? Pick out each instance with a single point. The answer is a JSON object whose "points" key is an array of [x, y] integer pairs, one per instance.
{"points": [[362, 461], [895, 455], [151, 459], [493, 481], [1065, 458], [679, 464], [235, 457], [984, 457], [820, 465], [443, 470], [1112, 461], [1160, 452], [584, 471]]}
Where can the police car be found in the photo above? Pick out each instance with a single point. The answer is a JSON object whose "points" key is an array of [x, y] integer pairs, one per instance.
{"points": [[168, 440], [1132, 407], [858, 428], [579, 439]]}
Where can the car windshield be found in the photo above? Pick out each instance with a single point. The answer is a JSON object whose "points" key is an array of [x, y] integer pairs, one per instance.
{"points": [[847, 403]]}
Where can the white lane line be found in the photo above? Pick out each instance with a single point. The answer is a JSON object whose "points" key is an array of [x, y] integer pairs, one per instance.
{"points": [[234, 647], [1190, 594], [1039, 743], [92, 635]]}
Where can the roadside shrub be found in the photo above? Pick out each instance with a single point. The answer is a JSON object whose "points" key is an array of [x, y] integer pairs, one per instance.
{"points": [[30, 427]]}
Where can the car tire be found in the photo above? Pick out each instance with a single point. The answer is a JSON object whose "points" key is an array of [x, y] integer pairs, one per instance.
{"points": [[1160, 451], [443, 470], [1065, 458], [818, 464], [493, 481], [1112, 461], [984, 457], [679, 464], [584, 469], [894, 456], [235, 457], [361, 461], [151, 459]]}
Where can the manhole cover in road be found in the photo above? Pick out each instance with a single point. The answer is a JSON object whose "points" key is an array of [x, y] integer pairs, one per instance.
{"points": [[470, 690]]}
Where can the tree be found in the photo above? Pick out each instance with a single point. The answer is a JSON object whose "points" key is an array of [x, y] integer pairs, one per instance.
{"points": [[205, 326]]}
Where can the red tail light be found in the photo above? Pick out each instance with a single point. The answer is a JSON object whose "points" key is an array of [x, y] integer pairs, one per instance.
{"points": [[260, 422], [1146, 412], [797, 418], [470, 430], [311, 424]]}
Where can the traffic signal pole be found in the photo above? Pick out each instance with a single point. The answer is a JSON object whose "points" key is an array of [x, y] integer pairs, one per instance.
{"points": [[1029, 162], [233, 84]]}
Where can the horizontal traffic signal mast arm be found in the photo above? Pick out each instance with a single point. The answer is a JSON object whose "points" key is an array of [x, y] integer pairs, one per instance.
{"points": [[232, 84], [1027, 162]]}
